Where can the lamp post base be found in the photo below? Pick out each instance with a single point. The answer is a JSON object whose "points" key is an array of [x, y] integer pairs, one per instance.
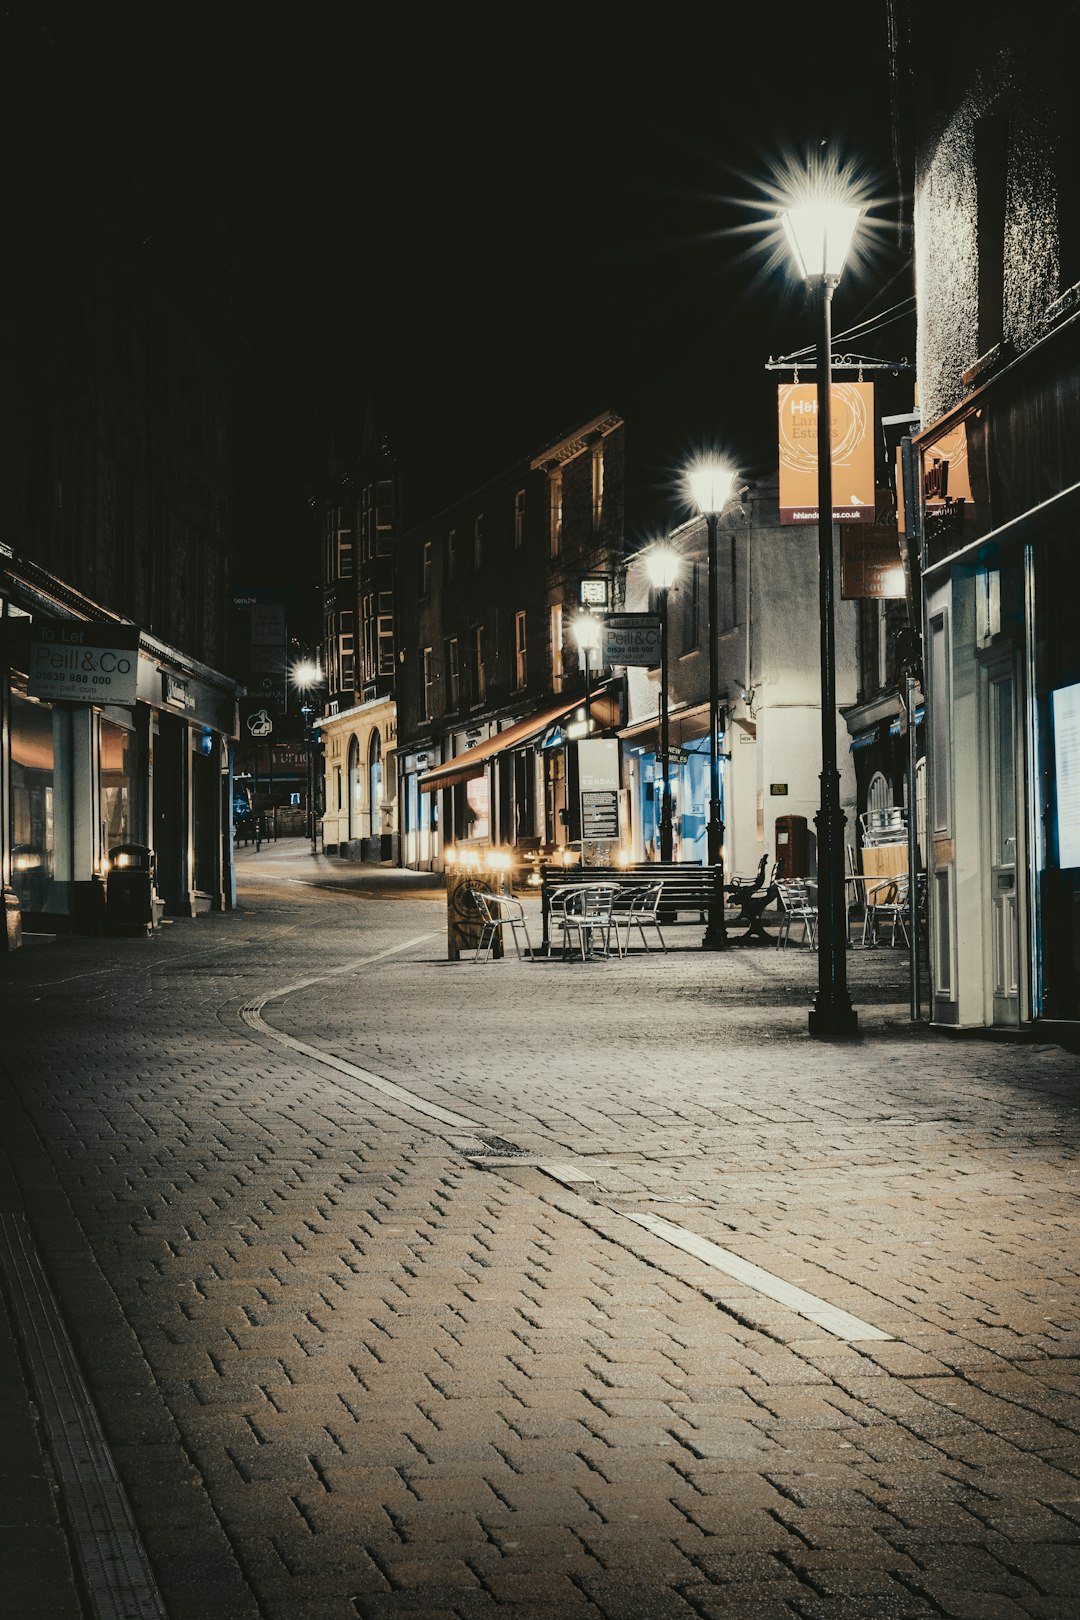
{"points": [[833, 1023]]}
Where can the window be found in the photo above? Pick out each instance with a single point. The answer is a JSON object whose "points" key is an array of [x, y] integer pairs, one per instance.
{"points": [[479, 669], [555, 510], [453, 672], [344, 540], [478, 540], [451, 553], [425, 569], [521, 662], [556, 649], [427, 684], [519, 518], [385, 638], [597, 483], [940, 739], [346, 652], [384, 516]]}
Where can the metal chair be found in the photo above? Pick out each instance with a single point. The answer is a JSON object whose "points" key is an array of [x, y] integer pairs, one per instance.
{"points": [[584, 909], [499, 911], [637, 908], [888, 904], [796, 907]]}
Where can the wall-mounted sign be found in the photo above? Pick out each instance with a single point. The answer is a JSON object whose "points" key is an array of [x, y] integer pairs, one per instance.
{"points": [[177, 691], [852, 452], [83, 663], [631, 638], [778, 790], [260, 724], [870, 565]]}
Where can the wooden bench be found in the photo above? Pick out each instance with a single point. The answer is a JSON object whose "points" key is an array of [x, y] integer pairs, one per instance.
{"points": [[689, 890]]}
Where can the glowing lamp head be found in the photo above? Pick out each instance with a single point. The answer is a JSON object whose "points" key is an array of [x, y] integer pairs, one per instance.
{"points": [[306, 674], [586, 632], [819, 234], [710, 484], [662, 563]]}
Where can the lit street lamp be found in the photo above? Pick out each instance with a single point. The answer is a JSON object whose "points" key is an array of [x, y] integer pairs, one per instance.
{"points": [[662, 562], [819, 234], [587, 630], [710, 481], [306, 675]]}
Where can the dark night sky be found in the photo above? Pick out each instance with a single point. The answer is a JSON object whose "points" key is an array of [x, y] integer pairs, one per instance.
{"points": [[491, 220]]}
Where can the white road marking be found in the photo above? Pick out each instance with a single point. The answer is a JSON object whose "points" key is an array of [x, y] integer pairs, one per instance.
{"points": [[816, 1310], [251, 1014]]}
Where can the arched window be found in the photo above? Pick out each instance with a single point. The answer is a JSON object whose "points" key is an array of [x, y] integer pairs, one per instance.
{"points": [[354, 787], [375, 779], [920, 809], [879, 793]]}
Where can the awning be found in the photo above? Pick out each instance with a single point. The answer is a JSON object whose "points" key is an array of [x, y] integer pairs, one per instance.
{"points": [[603, 706]]}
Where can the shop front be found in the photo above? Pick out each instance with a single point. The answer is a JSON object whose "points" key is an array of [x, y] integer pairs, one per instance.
{"points": [[109, 738], [1001, 505]]}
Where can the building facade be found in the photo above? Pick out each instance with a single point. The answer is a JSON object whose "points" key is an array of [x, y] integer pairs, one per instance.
{"points": [[986, 131], [767, 648], [360, 522], [116, 492], [488, 671]]}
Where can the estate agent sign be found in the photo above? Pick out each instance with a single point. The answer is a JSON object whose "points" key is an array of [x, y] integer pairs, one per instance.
{"points": [[73, 662], [852, 452], [631, 638]]}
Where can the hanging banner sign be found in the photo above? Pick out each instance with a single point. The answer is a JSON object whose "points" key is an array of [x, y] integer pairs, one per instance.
{"points": [[83, 663], [852, 452], [631, 638]]}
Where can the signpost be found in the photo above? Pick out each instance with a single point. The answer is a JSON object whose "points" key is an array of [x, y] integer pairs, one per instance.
{"points": [[631, 638], [76, 662]]}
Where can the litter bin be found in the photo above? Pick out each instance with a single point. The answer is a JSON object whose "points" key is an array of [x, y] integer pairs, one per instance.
{"points": [[130, 895], [791, 846]]}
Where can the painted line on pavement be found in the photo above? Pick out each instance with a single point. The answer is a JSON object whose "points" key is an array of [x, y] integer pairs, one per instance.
{"points": [[251, 1015], [114, 1565], [816, 1310]]}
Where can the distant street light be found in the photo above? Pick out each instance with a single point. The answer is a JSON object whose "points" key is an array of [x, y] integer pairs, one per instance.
{"points": [[663, 563], [710, 481], [819, 233], [587, 632], [306, 675]]}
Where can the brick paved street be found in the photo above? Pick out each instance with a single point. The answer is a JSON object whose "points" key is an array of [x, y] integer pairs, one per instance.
{"points": [[405, 1333]]}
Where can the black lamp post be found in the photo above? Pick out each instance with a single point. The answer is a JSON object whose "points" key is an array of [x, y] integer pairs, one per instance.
{"points": [[820, 234], [663, 565], [306, 675], [711, 484]]}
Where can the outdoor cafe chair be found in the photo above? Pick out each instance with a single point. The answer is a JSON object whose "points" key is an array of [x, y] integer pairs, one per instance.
{"points": [[887, 905], [498, 912], [796, 907], [640, 909], [585, 911]]}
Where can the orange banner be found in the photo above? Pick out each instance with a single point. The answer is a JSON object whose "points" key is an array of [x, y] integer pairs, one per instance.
{"points": [[852, 452]]}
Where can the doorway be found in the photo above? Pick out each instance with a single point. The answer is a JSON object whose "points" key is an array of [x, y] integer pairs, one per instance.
{"points": [[1004, 787]]}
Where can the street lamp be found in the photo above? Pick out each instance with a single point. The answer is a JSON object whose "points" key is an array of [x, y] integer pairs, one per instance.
{"points": [[587, 630], [819, 233], [710, 482], [306, 675], [663, 562]]}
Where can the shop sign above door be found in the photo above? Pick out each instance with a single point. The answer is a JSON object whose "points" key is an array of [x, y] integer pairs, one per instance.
{"points": [[72, 662]]}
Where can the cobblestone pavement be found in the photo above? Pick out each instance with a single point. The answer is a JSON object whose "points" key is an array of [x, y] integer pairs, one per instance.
{"points": [[415, 1288]]}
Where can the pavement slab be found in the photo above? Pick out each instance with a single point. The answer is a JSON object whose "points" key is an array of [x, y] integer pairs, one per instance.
{"points": [[372, 1366]]}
